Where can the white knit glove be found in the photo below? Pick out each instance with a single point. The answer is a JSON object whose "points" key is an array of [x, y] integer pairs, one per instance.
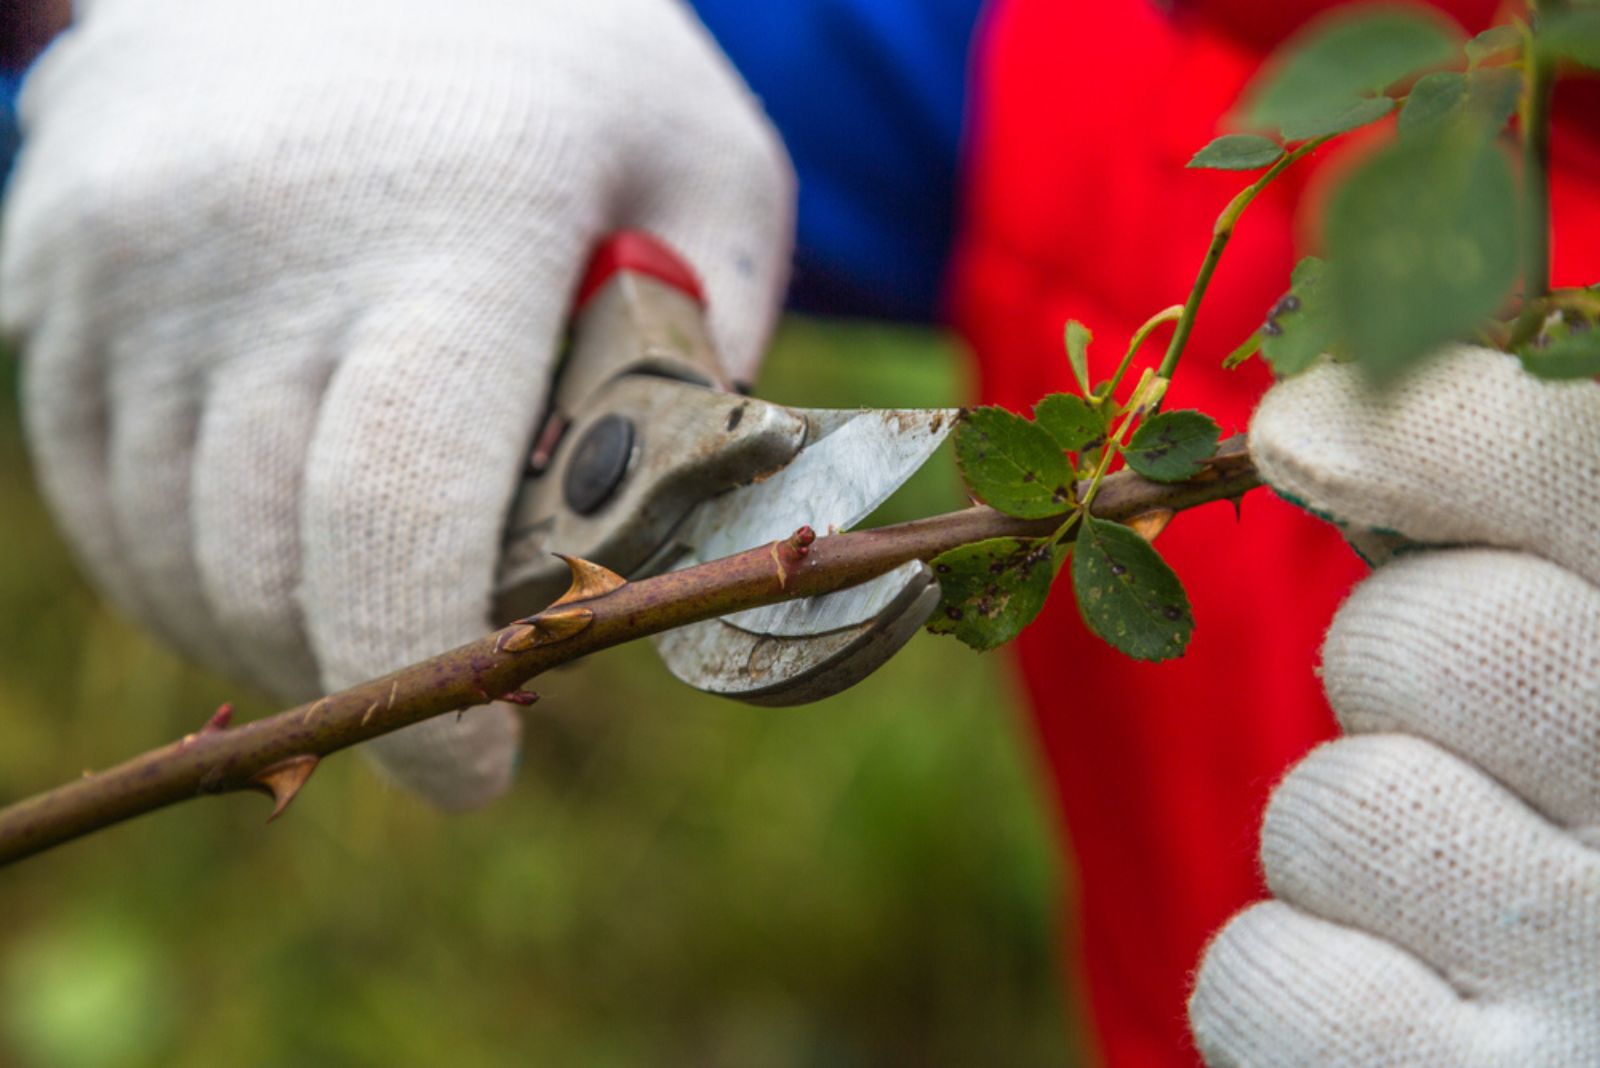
{"points": [[1437, 872], [288, 277]]}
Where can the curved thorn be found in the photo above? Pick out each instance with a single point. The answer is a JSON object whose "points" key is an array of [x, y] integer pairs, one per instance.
{"points": [[516, 639], [589, 579], [282, 781], [557, 625], [1150, 525]]}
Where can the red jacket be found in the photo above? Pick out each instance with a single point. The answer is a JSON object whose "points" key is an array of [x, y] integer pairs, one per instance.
{"points": [[1079, 206]]}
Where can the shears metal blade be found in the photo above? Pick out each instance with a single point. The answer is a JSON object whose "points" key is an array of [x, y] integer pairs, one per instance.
{"points": [[647, 462]]}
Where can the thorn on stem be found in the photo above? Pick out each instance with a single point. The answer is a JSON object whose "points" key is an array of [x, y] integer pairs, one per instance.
{"points": [[516, 639], [283, 780], [548, 627], [589, 579], [556, 625], [1150, 524], [519, 697]]}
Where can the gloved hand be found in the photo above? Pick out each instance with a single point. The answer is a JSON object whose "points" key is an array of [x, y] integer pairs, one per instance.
{"points": [[1436, 873], [288, 277]]}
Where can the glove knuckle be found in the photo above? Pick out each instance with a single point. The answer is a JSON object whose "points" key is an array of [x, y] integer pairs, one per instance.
{"points": [[1490, 654], [1343, 799]]}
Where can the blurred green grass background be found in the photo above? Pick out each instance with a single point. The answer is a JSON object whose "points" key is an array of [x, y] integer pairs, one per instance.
{"points": [[675, 880]]}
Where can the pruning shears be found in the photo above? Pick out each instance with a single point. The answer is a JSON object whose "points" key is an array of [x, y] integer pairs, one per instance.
{"points": [[648, 460]]}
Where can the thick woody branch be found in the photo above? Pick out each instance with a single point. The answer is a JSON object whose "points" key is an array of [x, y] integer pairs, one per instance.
{"points": [[276, 755]]}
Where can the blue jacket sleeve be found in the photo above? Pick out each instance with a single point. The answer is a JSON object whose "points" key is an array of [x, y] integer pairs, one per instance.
{"points": [[10, 83], [869, 97]]}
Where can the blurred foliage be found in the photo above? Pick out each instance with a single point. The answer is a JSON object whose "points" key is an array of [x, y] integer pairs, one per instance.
{"points": [[675, 879]]}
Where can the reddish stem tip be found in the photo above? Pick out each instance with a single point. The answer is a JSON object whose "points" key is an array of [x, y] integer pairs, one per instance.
{"points": [[801, 539], [219, 719]]}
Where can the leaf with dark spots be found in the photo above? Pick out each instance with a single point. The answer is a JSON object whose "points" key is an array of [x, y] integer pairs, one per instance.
{"points": [[1298, 328], [1172, 446], [1127, 594], [990, 590], [1076, 425], [1422, 246], [1012, 465]]}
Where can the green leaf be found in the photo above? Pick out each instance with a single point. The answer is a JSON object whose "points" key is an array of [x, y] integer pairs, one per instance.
{"points": [[1238, 152], [1298, 328], [1342, 59], [1172, 446], [1337, 120], [1493, 95], [1072, 421], [1571, 34], [1127, 594], [1486, 98], [1013, 465], [1247, 348], [1432, 100], [990, 590], [1078, 338], [1577, 355], [1491, 42], [1422, 246]]}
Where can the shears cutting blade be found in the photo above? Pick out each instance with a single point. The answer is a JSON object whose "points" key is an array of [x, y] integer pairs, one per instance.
{"points": [[648, 461]]}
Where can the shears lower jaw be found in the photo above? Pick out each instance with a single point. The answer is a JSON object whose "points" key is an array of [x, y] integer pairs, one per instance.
{"points": [[720, 657]]}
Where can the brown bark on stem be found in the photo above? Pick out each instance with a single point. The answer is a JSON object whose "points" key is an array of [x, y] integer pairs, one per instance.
{"points": [[277, 755]]}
